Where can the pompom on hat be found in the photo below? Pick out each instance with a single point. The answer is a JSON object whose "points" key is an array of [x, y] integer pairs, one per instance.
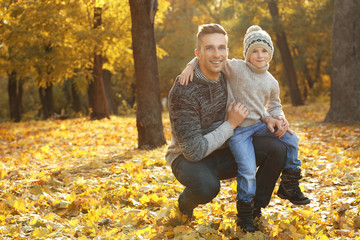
{"points": [[256, 37]]}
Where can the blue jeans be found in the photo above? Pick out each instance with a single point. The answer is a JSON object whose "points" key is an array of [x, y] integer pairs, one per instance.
{"points": [[243, 150], [202, 179]]}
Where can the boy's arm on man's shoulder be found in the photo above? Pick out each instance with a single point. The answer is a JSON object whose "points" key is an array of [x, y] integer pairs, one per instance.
{"points": [[194, 62], [233, 67]]}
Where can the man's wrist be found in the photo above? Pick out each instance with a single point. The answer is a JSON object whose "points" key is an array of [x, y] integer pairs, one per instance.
{"points": [[267, 119], [233, 126]]}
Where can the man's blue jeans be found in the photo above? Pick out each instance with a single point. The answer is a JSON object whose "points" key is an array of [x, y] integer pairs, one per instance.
{"points": [[243, 150], [202, 179]]}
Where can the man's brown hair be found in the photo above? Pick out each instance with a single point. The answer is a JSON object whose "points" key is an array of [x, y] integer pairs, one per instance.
{"points": [[209, 29]]}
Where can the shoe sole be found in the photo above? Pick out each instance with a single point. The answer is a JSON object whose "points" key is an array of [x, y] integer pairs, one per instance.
{"points": [[305, 202]]}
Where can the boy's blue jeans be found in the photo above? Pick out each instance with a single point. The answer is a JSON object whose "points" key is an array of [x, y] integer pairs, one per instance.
{"points": [[243, 150]]}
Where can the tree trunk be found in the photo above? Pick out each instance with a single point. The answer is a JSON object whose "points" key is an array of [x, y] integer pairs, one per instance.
{"points": [[99, 105], [76, 105], [15, 96], [286, 57], [308, 77], [47, 101], [148, 114], [345, 79], [108, 91]]}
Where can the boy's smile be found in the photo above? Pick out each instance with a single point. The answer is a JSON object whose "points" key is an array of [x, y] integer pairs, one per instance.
{"points": [[259, 57]]}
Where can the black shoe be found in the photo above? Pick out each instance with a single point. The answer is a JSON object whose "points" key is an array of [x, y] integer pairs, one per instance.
{"points": [[257, 213], [289, 188], [245, 216], [187, 213]]}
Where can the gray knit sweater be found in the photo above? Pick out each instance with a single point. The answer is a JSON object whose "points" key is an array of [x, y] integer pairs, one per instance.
{"points": [[197, 115]]}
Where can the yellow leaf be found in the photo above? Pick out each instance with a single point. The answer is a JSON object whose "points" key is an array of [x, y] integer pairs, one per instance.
{"points": [[45, 149], [2, 219], [33, 221], [145, 230], [323, 237], [144, 199], [73, 223], [40, 232], [50, 217], [234, 186], [20, 205]]}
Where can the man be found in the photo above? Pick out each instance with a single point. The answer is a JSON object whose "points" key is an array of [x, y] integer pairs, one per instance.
{"points": [[202, 122]]}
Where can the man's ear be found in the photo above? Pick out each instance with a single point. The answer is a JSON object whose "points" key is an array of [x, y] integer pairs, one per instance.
{"points": [[197, 52]]}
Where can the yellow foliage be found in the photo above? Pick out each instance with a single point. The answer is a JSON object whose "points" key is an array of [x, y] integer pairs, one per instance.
{"points": [[120, 192]]}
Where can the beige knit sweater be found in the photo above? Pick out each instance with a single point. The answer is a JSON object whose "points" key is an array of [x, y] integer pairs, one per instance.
{"points": [[256, 88]]}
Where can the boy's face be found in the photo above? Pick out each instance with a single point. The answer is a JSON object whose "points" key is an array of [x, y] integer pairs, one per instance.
{"points": [[212, 55], [259, 57]]}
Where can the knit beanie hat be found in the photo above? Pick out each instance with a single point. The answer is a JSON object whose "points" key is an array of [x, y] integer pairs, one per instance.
{"points": [[256, 37]]}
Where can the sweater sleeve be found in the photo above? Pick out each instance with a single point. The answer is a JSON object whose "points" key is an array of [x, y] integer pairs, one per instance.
{"points": [[186, 127], [231, 69], [274, 106], [194, 62]]}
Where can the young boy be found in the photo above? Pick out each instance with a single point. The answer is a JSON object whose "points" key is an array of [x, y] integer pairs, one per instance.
{"points": [[256, 88]]}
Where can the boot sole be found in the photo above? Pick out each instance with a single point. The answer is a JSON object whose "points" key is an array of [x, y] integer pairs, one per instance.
{"points": [[305, 202]]}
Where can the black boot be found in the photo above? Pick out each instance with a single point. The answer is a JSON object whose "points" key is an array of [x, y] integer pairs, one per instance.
{"points": [[185, 210], [245, 216], [257, 213], [289, 188]]}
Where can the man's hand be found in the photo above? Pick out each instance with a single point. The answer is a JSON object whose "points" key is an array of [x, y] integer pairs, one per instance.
{"points": [[186, 75], [285, 124], [273, 123], [236, 114]]}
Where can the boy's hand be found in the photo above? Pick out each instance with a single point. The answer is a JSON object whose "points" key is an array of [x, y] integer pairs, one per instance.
{"points": [[273, 123], [236, 114], [186, 75]]}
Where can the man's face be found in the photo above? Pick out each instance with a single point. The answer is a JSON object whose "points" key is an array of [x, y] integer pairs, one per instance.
{"points": [[212, 55]]}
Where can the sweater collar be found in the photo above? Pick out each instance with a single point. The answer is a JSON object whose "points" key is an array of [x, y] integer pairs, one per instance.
{"points": [[201, 76], [257, 70]]}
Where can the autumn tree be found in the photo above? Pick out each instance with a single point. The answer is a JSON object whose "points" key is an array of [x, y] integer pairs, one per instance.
{"points": [[311, 48], [50, 42], [282, 44], [37, 47], [345, 79], [96, 88], [10, 59], [176, 35], [15, 92], [148, 113]]}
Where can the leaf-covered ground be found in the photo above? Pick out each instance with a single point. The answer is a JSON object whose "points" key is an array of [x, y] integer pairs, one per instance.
{"points": [[86, 179]]}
